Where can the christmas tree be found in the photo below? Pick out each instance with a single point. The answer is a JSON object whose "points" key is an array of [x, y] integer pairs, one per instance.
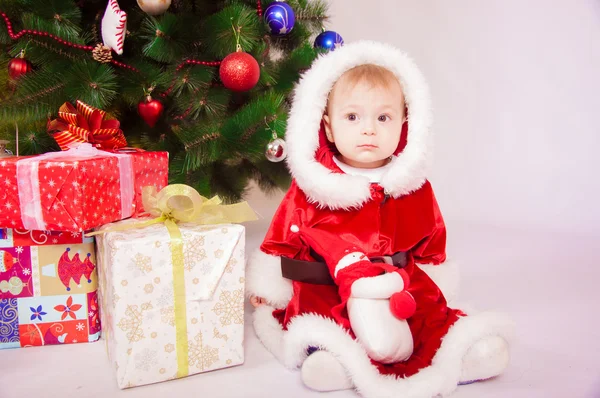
{"points": [[206, 80]]}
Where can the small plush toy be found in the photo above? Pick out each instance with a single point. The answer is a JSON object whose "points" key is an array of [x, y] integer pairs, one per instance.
{"points": [[114, 27], [372, 293]]}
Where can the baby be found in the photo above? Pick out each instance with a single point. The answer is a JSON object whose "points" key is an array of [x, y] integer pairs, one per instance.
{"points": [[359, 140]]}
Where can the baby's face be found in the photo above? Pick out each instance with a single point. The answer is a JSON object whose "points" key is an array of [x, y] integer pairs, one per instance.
{"points": [[365, 122]]}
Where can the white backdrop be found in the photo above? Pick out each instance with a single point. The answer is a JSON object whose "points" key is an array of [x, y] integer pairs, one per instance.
{"points": [[515, 86]]}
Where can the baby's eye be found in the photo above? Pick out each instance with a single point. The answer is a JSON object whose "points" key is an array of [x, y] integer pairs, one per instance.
{"points": [[351, 116], [383, 118]]}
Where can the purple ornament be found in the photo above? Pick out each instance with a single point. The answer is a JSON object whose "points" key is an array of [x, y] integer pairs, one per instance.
{"points": [[280, 17], [329, 40]]}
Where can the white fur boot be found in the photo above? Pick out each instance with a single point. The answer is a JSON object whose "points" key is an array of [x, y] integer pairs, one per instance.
{"points": [[321, 371], [485, 359]]}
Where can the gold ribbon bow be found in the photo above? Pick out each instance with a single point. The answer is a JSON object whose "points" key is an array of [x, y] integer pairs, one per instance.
{"points": [[182, 203], [85, 124]]}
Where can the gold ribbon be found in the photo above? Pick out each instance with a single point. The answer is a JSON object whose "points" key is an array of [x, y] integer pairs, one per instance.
{"points": [[182, 203]]}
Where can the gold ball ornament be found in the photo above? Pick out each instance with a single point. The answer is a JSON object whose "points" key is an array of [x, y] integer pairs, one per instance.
{"points": [[154, 7]]}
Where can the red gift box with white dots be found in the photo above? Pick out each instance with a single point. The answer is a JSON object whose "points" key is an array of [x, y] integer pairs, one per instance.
{"points": [[78, 195]]}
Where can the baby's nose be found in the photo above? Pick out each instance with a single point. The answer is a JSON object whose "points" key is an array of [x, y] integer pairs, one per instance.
{"points": [[369, 131]]}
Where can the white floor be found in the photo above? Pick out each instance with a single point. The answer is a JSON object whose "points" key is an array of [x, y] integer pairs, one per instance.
{"points": [[547, 282]]}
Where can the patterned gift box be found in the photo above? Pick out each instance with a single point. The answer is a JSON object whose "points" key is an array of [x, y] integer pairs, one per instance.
{"points": [[47, 291], [76, 190], [146, 339], [23, 237]]}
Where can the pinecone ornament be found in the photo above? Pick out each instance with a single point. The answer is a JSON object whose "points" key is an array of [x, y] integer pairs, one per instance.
{"points": [[102, 53]]}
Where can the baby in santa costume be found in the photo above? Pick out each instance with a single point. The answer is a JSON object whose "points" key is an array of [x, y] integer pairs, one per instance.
{"points": [[359, 141]]}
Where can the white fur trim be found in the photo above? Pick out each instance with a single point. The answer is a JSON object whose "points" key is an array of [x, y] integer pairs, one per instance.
{"points": [[263, 279], [440, 378], [322, 372], [446, 276], [406, 173]]}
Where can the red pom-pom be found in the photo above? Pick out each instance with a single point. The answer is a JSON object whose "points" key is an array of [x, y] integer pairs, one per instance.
{"points": [[403, 305], [239, 71]]}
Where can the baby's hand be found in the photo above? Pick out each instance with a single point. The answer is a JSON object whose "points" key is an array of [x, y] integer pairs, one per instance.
{"points": [[257, 301]]}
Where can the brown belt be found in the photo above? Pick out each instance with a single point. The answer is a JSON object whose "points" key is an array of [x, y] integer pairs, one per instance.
{"points": [[317, 273]]}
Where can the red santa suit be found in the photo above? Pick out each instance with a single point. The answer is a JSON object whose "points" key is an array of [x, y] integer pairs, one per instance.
{"points": [[397, 214]]}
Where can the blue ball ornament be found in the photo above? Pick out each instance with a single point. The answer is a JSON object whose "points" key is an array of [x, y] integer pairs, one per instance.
{"points": [[329, 40], [280, 17]]}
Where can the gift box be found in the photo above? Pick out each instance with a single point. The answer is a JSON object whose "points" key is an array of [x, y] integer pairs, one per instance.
{"points": [[168, 316], [48, 291], [23, 237], [77, 189]]}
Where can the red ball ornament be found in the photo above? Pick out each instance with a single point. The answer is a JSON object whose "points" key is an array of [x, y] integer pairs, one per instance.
{"points": [[150, 110], [239, 71], [18, 67]]}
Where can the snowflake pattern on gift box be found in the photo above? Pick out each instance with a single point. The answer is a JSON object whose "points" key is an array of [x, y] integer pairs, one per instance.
{"points": [[230, 307], [202, 356], [132, 322], [218, 335], [166, 298], [146, 359], [207, 267], [167, 315], [141, 263], [230, 264], [193, 252]]}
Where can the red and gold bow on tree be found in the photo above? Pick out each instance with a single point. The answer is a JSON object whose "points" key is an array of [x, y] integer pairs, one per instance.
{"points": [[85, 124]]}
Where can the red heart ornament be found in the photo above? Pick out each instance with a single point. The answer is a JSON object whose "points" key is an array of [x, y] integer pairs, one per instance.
{"points": [[150, 110]]}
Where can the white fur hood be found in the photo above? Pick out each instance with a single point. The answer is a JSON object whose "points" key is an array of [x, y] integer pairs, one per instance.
{"points": [[408, 170]]}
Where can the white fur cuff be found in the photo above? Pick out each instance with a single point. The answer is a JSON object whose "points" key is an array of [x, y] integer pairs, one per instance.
{"points": [[263, 279], [446, 276]]}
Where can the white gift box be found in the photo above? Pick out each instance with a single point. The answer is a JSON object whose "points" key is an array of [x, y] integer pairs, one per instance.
{"points": [[146, 340]]}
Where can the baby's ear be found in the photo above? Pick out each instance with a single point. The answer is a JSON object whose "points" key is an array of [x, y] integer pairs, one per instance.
{"points": [[327, 125]]}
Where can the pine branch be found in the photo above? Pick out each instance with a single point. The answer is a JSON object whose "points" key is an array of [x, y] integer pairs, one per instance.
{"points": [[207, 103], [61, 19], [291, 67], [28, 99], [192, 80], [313, 14], [231, 181], [220, 29], [247, 132], [166, 37], [202, 143], [91, 82], [270, 177], [33, 97], [135, 85], [54, 49], [36, 140]]}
